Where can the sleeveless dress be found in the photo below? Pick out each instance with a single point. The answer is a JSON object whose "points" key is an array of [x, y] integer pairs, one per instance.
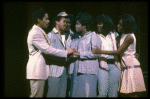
{"points": [[131, 79]]}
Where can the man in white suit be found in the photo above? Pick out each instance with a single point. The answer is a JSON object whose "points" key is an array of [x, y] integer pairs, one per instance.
{"points": [[38, 44]]}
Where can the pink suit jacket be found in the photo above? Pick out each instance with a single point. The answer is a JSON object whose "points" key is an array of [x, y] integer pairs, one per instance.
{"points": [[37, 44]]}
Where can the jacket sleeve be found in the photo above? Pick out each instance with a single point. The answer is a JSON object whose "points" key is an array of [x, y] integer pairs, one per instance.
{"points": [[40, 43], [52, 39], [95, 41]]}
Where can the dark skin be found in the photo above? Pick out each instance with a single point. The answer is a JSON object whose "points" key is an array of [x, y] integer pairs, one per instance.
{"points": [[128, 40], [81, 30], [99, 31], [99, 28], [67, 30], [61, 25], [43, 23]]}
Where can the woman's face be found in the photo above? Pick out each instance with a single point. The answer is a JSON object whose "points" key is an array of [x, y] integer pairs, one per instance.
{"points": [[68, 25], [119, 26], [99, 27], [78, 27]]}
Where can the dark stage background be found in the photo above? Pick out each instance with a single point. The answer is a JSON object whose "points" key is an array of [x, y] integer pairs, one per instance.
{"points": [[17, 21]]}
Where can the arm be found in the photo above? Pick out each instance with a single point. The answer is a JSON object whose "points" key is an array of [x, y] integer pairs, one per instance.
{"points": [[128, 40], [54, 43], [95, 41], [40, 43]]}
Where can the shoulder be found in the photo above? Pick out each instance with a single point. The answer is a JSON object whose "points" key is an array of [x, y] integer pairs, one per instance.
{"points": [[94, 35], [75, 40], [34, 31], [91, 34], [51, 33], [95, 38], [129, 38]]}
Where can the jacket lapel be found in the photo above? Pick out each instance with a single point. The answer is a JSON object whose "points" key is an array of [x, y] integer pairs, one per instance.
{"points": [[58, 36]]}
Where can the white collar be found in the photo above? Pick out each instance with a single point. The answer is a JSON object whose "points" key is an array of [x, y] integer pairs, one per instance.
{"points": [[55, 30]]}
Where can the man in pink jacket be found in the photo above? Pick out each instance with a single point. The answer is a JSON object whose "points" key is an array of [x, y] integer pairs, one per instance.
{"points": [[38, 44]]}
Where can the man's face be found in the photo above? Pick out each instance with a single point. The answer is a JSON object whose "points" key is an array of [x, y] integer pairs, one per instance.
{"points": [[62, 24], [45, 22], [78, 27], [99, 27], [119, 26], [68, 25]]}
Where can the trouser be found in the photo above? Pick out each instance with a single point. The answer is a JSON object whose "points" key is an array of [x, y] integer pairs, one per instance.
{"points": [[57, 86], [108, 81], [37, 88], [83, 85]]}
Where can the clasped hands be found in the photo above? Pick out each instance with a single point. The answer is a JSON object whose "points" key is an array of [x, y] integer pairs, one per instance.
{"points": [[72, 52], [96, 50]]}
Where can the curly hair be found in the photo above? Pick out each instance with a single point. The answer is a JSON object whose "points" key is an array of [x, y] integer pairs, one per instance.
{"points": [[108, 24], [85, 19], [38, 14], [129, 25], [99, 19]]}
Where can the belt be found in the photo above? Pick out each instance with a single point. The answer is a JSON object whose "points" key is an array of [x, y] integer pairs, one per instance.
{"points": [[83, 74], [110, 61], [128, 67]]}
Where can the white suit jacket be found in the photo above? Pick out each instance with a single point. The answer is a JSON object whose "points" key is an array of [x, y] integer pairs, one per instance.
{"points": [[37, 46]]}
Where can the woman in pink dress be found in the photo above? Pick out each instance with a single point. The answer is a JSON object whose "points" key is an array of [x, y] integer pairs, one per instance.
{"points": [[131, 82]]}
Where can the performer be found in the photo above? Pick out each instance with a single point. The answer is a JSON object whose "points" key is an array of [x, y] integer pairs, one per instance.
{"points": [[132, 81], [69, 37], [109, 70], [38, 46], [57, 80], [85, 68]]}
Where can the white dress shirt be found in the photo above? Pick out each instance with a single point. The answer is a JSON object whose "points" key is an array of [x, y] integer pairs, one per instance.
{"points": [[107, 45], [62, 36]]}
